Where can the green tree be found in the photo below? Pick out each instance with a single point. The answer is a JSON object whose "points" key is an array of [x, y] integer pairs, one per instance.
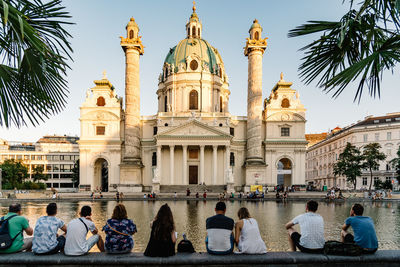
{"points": [[34, 51], [349, 164], [396, 164], [75, 173], [363, 44], [37, 174], [371, 157], [13, 173]]}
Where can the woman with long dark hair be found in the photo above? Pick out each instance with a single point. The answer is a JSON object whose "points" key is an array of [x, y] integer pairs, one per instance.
{"points": [[119, 230], [162, 238]]}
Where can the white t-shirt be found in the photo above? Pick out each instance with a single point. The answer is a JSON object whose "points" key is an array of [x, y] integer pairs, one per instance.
{"points": [[76, 243], [312, 230]]}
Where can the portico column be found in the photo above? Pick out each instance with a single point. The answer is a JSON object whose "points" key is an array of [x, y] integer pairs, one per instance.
{"points": [[228, 154], [171, 162], [214, 178], [202, 164], [159, 167], [184, 164]]}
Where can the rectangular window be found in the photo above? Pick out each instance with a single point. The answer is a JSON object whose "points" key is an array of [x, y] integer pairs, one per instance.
{"points": [[56, 157], [193, 153], [56, 176], [56, 167], [154, 159], [388, 179], [232, 159], [389, 135], [285, 131], [377, 137], [66, 176], [365, 137], [376, 179], [155, 130], [232, 131], [48, 168], [26, 157], [364, 181], [49, 157], [100, 130]]}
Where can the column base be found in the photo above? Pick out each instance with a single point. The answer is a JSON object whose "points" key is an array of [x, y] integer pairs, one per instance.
{"points": [[130, 177], [256, 161], [255, 174], [155, 188], [127, 188], [230, 187], [132, 161]]}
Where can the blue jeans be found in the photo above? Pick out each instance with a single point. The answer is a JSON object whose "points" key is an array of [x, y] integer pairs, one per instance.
{"points": [[229, 251]]}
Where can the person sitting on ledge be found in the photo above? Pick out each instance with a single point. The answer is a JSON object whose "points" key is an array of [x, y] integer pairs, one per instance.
{"points": [[46, 241], [77, 229], [247, 234], [311, 224], [119, 230], [363, 228], [163, 236], [219, 239], [16, 225]]}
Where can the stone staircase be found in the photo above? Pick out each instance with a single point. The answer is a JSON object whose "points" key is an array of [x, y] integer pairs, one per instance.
{"points": [[193, 188]]}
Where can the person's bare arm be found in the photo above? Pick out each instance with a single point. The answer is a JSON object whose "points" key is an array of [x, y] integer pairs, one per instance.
{"points": [[173, 236], [28, 230], [64, 228], [345, 227], [289, 225], [95, 231], [238, 229]]}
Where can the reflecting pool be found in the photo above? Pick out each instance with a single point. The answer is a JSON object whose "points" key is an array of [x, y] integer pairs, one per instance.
{"points": [[190, 218]]}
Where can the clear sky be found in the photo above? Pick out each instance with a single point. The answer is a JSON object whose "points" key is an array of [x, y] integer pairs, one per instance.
{"points": [[99, 23]]}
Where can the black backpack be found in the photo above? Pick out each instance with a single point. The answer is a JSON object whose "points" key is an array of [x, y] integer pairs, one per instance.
{"points": [[5, 238], [185, 245], [343, 249]]}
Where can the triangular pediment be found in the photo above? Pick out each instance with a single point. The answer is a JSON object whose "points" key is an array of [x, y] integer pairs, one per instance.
{"points": [[194, 128]]}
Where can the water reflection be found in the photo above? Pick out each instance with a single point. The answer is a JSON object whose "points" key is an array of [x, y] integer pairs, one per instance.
{"points": [[190, 218]]}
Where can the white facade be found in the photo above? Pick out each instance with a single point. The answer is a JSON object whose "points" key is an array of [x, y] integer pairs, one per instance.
{"points": [[320, 157], [193, 139], [56, 154]]}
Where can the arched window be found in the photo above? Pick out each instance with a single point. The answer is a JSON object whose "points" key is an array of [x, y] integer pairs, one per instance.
{"points": [[193, 100], [131, 34], [220, 104], [257, 36], [165, 104], [188, 31], [198, 32], [194, 31], [101, 102], [285, 103]]}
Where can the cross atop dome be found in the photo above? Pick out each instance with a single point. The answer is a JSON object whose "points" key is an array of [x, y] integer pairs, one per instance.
{"points": [[194, 7]]}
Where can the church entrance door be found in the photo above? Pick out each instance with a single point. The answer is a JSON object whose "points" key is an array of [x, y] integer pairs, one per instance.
{"points": [[101, 175], [284, 178], [193, 174]]}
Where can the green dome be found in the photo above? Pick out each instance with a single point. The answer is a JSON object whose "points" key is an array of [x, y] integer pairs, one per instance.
{"points": [[189, 46]]}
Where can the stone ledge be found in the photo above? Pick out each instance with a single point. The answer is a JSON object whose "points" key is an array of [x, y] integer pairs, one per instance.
{"points": [[381, 258]]}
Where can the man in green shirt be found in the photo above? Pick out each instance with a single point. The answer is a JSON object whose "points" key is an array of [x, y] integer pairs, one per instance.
{"points": [[16, 226]]}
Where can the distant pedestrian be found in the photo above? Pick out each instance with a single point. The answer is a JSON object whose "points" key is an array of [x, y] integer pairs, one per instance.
{"points": [[204, 195], [175, 195], [197, 195], [187, 192], [117, 196], [363, 228], [311, 239]]}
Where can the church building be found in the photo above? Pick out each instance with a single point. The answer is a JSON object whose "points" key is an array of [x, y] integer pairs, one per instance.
{"points": [[193, 140]]}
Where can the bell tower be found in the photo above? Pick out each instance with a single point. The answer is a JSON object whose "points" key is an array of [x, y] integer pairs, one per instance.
{"points": [[254, 50], [194, 26], [130, 168]]}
